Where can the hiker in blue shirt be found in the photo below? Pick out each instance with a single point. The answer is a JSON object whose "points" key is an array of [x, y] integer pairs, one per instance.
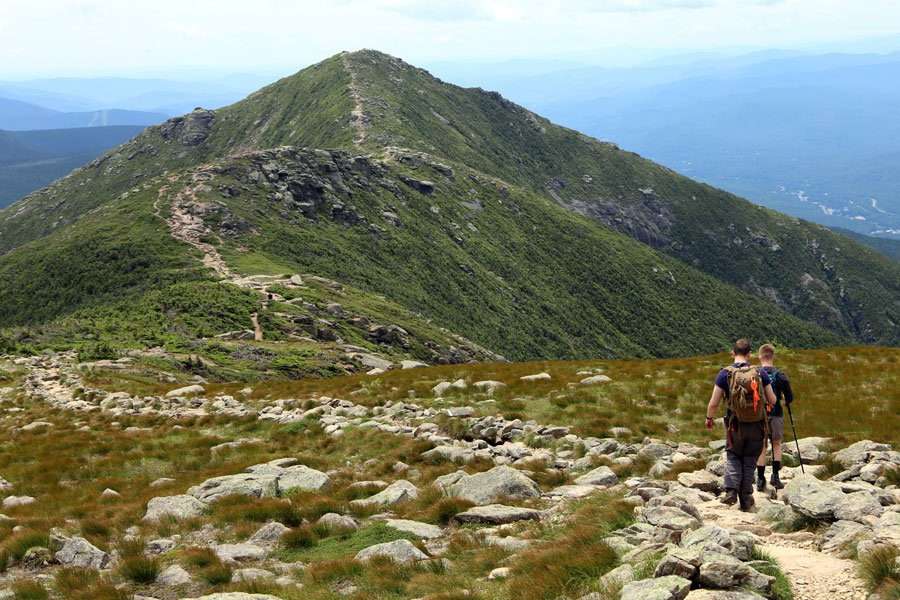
{"points": [[781, 385], [748, 395]]}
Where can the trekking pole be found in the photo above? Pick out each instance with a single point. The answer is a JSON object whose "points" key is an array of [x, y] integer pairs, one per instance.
{"points": [[794, 429]]}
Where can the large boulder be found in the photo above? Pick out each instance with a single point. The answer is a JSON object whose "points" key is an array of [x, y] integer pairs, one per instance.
{"points": [[239, 553], [843, 536], [425, 531], [857, 453], [256, 485], [857, 506], [235, 596], [813, 498], [302, 478], [723, 595], [670, 587], [497, 514], [173, 575], [78, 552], [399, 491], [812, 449], [669, 517], [601, 476], [177, 507], [701, 480], [490, 486], [399, 551], [724, 571]]}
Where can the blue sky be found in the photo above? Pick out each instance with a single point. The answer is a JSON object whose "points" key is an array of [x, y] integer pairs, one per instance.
{"points": [[80, 37]]}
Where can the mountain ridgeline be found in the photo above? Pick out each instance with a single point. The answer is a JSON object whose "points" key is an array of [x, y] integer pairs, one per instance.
{"points": [[454, 205]]}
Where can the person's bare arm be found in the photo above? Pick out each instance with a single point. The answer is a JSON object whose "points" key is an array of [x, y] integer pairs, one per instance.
{"points": [[714, 401], [770, 397]]}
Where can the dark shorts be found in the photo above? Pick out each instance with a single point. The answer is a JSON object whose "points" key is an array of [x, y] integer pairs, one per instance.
{"points": [[776, 427]]}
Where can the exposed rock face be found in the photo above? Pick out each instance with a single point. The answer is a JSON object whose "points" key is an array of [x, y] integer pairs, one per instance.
{"points": [[190, 130], [267, 480], [490, 486]]}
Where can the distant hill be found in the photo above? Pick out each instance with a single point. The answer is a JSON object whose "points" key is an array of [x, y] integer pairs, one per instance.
{"points": [[533, 240], [16, 115], [888, 247], [815, 136], [30, 160]]}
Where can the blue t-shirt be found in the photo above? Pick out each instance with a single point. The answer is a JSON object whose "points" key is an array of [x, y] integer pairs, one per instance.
{"points": [[722, 377]]}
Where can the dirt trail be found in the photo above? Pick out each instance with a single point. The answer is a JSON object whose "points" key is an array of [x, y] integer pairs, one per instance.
{"points": [[814, 575], [359, 121]]}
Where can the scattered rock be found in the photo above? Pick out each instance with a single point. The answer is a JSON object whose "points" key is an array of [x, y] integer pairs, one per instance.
{"points": [[173, 575], [178, 507], [399, 551], [670, 587], [497, 514], [493, 485], [78, 552], [425, 531]]}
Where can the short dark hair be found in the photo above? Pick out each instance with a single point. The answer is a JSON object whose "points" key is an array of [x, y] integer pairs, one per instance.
{"points": [[742, 347]]}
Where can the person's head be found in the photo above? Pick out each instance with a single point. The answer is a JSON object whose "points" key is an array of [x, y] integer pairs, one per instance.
{"points": [[767, 354], [741, 349]]}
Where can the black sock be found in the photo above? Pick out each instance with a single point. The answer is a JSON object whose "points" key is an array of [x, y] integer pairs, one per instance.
{"points": [[776, 466], [761, 471]]}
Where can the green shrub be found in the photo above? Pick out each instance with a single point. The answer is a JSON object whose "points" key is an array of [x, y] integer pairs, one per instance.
{"points": [[139, 569], [879, 568], [300, 537]]}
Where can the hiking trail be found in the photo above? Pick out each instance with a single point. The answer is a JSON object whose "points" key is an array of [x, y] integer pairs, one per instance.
{"points": [[814, 575]]}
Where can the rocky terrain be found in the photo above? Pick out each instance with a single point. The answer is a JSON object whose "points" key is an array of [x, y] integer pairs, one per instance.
{"points": [[507, 487]]}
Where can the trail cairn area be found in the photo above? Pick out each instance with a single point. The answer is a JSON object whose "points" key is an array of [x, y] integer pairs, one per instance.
{"points": [[701, 549]]}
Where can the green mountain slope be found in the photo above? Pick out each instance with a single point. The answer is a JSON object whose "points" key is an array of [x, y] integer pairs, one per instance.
{"points": [[888, 247], [480, 227]]}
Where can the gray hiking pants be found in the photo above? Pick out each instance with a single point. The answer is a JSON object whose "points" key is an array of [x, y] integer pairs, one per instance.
{"points": [[742, 448]]}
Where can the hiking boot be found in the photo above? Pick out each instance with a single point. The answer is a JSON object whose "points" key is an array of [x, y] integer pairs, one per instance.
{"points": [[776, 482], [760, 484], [730, 497], [748, 503]]}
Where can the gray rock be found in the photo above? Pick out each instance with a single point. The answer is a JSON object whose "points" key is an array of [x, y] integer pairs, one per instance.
{"points": [[251, 574], [457, 454], [670, 587], [399, 491], [338, 522], [724, 571], [269, 534], [490, 486], [15, 501], [78, 552], [425, 531], [701, 480], [723, 595], [601, 476], [301, 477], [669, 517], [595, 380], [497, 514], [843, 536], [811, 448], [173, 575], [190, 390], [256, 485], [399, 551], [672, 564], [813, 498], [858, 452], [238, 553], [178, 507], [857, 506]]}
